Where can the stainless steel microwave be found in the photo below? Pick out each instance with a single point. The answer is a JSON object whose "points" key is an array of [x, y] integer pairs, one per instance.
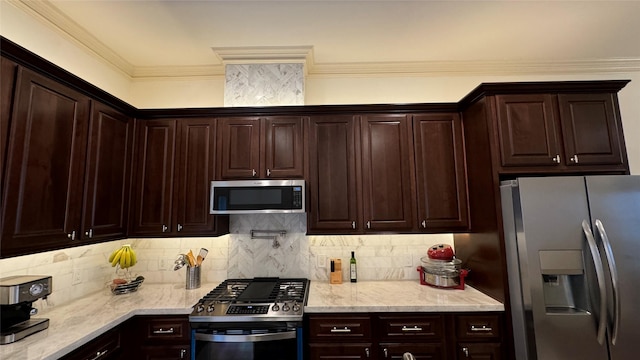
{"points": [[257, 196]]}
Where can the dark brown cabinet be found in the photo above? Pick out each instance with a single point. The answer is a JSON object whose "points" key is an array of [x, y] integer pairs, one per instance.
{"points": [[361, 174], [254, 147], [157, 337], [333, 204], [390, 335], [175, 162], [45, 166], [8, 69], [440, 172], [68, 166], [105, 347], [560, 132], [388, 173], [154, 166], [108, 166]]}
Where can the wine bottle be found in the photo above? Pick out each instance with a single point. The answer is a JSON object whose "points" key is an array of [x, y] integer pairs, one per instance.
{"points": [[353, 273]]}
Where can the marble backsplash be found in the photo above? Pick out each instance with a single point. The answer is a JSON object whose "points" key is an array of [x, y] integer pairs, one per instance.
{"points": [[264, 84], [84, 270]]}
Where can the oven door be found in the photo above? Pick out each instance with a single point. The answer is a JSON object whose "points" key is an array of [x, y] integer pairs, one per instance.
{"points": [[247, 345]]}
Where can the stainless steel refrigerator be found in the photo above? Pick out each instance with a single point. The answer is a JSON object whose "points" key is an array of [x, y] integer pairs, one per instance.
{"points": [[573, 263]]}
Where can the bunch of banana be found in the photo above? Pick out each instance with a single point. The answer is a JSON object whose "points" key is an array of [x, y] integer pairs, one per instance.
{"points": [[124, 257]]}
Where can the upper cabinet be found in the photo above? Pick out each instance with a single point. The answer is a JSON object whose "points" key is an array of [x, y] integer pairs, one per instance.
{"points": [[440, 172], [559, 132], [174, 169], [263, 148], [67, 171], [361, 174], [107, 175], [333, 202], [388, 172]]}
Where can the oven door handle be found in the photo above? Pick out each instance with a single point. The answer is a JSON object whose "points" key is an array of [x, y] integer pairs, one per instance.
{"points": [[246, 338]]}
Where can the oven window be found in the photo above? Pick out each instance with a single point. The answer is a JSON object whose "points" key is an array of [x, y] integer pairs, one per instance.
{"points": [[266, 350]]}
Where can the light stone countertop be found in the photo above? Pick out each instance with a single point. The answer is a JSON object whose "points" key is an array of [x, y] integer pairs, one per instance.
{"points": [[73, 325], [395, 296]]}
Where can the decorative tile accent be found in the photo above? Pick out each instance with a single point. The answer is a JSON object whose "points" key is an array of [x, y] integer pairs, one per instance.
{"points": [[264, 84]]}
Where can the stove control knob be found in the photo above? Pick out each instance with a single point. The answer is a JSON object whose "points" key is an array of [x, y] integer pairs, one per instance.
{"points": [[275, 307], [199, 307], [296, 307], [210, 308], [286, 307]]}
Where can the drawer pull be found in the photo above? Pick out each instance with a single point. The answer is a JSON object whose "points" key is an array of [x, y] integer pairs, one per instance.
{"points": [[163, 331], [483, 328], [414, 328], [99, 354], [336, 330]]}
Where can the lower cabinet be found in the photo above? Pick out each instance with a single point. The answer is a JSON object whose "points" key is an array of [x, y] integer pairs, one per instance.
{"points": [[157, 337], [105, 347], [390, 335]]}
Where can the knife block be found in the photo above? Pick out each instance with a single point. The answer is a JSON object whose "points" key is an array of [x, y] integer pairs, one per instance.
{"points": [[335, 276]]}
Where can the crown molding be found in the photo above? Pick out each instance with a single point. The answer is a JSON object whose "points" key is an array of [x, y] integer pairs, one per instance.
{"points": [[46, 12]]}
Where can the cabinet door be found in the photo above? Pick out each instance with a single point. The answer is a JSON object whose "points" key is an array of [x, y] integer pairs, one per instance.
{"points": [[479, 351], [421, 351], [45, 166], [333, 198], [166, 352], [441, 179], [154, 177], [239, 147], [8, 70], [388, 173], [591, 130], [105, 347], [527, 130], [284, 147], [194, 173], [107, 174], [341, 351]]}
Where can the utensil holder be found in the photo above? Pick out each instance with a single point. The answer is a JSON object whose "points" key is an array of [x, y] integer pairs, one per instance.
{"points": [[193, 277]]}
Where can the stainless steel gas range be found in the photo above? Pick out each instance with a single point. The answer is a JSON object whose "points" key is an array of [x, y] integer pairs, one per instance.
{"points": [[247, 319]]}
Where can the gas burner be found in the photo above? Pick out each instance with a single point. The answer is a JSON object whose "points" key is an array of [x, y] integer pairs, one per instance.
{"points": [[258, 299]]}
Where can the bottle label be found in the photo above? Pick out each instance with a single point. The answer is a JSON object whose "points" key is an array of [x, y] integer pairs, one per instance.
{"points": [[353, 271]]}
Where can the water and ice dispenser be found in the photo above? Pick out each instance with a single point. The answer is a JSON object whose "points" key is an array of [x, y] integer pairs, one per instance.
{"points": [[564, 282]]}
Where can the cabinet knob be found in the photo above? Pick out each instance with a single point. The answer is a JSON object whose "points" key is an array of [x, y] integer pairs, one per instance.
{"points": [[89, 233], [366, 351], [574, 159], [179, 227], [353, 225], [386, 352], [268, 172], [368, 224], [72, 235], [424, 223], [556, 159], [183, 352], [253, 172], [164, 228]]}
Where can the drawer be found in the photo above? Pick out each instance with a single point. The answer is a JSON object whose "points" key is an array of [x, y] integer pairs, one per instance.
{"points": [[341, 351], [478, 326], [350, 328], [155, 329], [104, 347], [406, 327]]}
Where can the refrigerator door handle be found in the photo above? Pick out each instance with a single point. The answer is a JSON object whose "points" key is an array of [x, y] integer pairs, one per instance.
{"points": [[595, 254], [614, 279]]}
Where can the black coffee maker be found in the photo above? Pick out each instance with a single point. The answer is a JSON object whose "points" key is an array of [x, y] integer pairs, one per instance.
{"points": [[17, 294]]}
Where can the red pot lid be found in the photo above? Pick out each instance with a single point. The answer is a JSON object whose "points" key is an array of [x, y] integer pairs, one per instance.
{"points": [[440, 252]]}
